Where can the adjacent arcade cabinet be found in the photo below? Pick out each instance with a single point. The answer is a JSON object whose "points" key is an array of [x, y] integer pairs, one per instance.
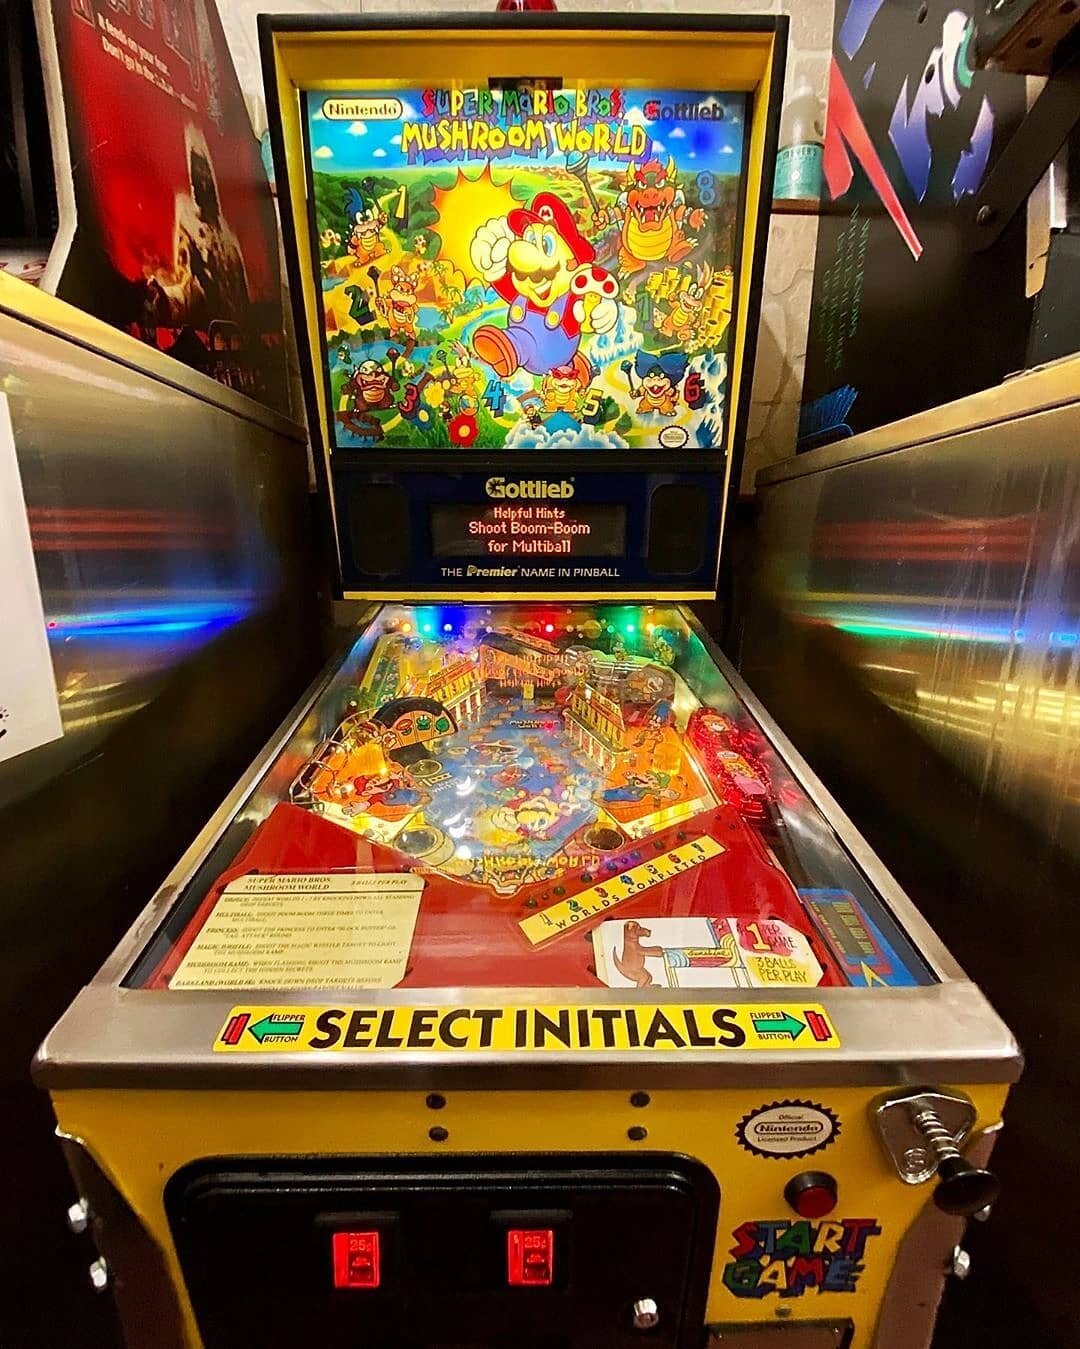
{"points": [[529, 990]]}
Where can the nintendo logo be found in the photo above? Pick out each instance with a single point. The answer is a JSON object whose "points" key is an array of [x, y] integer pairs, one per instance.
{"points": [[373, 109]]}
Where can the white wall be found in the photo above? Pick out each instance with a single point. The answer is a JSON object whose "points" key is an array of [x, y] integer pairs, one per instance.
{"points": [[786, 304]]}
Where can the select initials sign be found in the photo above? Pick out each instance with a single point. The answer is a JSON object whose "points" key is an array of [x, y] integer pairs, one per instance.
{"points": [[607, 1027]]}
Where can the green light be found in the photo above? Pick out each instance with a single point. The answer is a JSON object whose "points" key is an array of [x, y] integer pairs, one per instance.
{"points": [[860, 629], [630, 627]]}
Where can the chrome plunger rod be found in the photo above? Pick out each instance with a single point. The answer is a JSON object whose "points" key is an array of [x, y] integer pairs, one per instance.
{"points": [[962, 1189]]}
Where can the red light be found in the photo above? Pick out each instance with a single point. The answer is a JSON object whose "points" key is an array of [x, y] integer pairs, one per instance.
{"points": [[549, 627], [530, 1258], [812, 1194], [356, 1259], [815, 1202]]}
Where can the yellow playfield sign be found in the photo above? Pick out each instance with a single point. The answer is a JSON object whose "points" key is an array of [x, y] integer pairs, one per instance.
{"points": [[485, 1028]]}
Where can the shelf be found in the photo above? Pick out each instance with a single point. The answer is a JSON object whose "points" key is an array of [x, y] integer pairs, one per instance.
{"points": [[796, 206]]}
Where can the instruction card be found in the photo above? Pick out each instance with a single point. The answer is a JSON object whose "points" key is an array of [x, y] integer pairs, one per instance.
{"points": [[306, 931]]}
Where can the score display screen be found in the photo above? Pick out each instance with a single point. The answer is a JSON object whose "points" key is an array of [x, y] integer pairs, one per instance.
{"points": [[526, 268], [528, 529]]}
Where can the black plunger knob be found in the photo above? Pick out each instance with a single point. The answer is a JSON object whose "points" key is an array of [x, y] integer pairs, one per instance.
{"points": [[964, 1189]]}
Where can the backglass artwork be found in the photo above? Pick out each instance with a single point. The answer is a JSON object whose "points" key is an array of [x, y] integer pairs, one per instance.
{"points": [[526, 267]]}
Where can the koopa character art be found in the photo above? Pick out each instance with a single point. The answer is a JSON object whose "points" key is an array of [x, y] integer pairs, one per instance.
{"points": [[562, 390], [651, 211], [660, 378], [366, 220], [537, 260], [370, 389], [463, 379], [684, 319], [397, 305]]}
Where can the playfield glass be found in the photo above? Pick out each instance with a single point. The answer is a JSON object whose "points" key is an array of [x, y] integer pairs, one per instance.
{"points": [[526, 267], [528, 797]]}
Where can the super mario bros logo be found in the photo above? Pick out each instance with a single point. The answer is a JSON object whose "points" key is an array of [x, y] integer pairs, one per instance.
{"points": [[484, 123], [791, 1258]]}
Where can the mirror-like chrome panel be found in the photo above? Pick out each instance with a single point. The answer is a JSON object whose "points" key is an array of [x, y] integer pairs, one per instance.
{"points": [[942, 581], [913, 622], [163, 527]]}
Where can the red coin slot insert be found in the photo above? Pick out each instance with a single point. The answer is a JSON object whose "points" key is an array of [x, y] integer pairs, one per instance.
{"points": [[356, 1259], [530, 1257]]}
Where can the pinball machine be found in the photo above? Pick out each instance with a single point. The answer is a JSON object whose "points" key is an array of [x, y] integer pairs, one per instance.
{"points": [[529, 989]]}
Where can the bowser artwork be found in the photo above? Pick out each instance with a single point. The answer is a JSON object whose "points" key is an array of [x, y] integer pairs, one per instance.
{"points": [[652, 214], [575, 250]]}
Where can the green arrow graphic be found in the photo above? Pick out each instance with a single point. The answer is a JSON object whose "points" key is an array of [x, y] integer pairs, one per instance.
{"points": [[263, 1029], [777, 1023]]}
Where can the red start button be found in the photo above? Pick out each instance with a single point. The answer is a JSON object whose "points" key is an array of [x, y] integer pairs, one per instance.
{"points": [[356, 1259], [530, 1257], [812, 1194]]}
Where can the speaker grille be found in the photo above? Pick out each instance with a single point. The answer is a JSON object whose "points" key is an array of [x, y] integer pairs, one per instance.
{"points": [[678, 523], [379, 528]]}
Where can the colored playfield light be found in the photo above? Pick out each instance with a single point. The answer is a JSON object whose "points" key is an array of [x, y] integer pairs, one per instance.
{"points": [[549, 627], [406, 627]]}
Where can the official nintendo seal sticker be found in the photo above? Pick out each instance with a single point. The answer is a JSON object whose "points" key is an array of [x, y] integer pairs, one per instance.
{"points": [[787, 1129]]}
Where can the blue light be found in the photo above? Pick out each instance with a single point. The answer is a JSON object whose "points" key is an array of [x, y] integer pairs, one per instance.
{"points": [[148, 621]]}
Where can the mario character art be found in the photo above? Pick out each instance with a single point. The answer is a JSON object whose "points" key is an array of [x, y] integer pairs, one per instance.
{"points": [[660, 378], [369, 389], [652, 213], [539, 263], [366, 220]]}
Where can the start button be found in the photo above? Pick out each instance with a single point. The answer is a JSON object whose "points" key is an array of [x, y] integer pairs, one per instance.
{"points": [[812, 1194]]}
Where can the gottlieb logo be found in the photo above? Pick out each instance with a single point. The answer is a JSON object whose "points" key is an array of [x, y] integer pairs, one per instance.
{"points": [[709, 111], [528, 489]]}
